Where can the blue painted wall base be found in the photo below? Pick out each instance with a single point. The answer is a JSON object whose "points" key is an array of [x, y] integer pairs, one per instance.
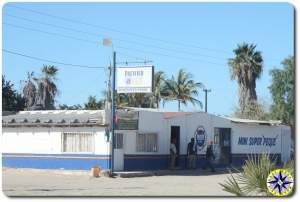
{"points": [[55, 161], [131, 162]]}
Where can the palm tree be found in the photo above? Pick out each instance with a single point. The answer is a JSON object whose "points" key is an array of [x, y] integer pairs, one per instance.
{"points": [[159, 80], [93, 104], [122, 100], [29, 91], [183, 89], [245, 68], [46, 88]]}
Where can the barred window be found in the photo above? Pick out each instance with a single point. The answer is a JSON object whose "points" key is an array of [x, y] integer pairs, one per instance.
{"points": [[78, 142], [119, 141], [146, 142]]}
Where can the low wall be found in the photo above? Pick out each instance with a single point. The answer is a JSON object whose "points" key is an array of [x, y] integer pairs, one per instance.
{"points": [[55, 161], [161, 162]]}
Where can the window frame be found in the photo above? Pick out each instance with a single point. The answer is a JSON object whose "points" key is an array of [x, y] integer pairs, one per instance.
{"points": [[146, 141], [116, 140], [78, 133]]}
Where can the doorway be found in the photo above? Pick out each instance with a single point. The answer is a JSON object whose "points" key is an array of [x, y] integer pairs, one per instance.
{"points": [[175, 135], [223, 142]]}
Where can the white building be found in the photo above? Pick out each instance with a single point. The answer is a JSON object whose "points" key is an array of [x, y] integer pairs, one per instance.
{"points": [[79, 139]]}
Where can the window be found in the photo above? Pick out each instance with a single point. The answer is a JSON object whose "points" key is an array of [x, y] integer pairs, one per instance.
{"points": [[146, 142], [119, 141], [78, 142]]}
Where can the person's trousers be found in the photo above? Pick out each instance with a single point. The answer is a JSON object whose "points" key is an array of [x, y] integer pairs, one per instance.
{"points": [[208, 164], [172, 161], [192, 158]]}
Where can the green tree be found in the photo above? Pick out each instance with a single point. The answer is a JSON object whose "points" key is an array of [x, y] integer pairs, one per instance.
{"points": [[253, 110], [93, 104], [159, 82], [11, 100], [182, 89], [29, 91], [46, 87], [246, 67], [283, 92], [72, 107]]}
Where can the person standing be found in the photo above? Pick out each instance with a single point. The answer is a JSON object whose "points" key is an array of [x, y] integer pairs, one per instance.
{"points": [[192, 154], [209, 156], [173, 153]]}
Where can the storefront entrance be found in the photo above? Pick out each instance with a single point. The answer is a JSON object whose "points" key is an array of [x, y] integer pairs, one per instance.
{"points": [[175, 135], [222, 142]]}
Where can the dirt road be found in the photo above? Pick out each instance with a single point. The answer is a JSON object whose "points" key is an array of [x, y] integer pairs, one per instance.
{"points": [[30, 182]]}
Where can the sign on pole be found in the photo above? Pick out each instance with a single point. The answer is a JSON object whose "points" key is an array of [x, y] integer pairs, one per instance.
{"points": [[135, 79]]}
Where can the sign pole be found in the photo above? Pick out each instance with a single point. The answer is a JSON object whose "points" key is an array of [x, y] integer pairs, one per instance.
{"points": [[113, 112]]}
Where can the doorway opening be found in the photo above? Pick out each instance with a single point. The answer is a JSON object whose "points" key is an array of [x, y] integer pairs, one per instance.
{"points": [[222, 141], [175, 136]]}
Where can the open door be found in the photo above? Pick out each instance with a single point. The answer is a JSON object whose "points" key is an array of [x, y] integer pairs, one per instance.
{"points": [[175, 135], [222, 141]]}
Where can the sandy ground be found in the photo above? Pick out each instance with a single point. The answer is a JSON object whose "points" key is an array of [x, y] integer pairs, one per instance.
{"points": [[30, 182]]}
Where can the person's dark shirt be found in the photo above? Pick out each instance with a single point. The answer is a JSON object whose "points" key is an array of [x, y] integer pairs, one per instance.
{"points": [[191, 150], [209, 153]]}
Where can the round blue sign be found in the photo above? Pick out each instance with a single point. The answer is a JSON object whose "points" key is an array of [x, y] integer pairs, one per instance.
{"points": [[200, 137]]}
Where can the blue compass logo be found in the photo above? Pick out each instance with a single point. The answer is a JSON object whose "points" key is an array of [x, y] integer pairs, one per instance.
{"points": [[280, 182]]}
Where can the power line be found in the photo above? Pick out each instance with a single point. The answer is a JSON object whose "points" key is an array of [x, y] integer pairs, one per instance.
{"points": [[118, 31], [50, 33], [131, 56], [49, 24], [51, 61], [121, 47], [172, 56], [115, 39]]}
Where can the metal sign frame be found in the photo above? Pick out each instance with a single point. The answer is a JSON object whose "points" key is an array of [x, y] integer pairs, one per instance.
{"points": [[141, 66]]}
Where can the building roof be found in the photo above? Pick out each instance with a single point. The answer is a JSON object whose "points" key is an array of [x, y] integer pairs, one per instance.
{"points": [[249, 121], [55, 118], [96, 117], [168, 115]]}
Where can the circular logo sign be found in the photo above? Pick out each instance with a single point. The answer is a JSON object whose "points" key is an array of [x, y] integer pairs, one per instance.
{"points": [[200, 137], [280, 182]]}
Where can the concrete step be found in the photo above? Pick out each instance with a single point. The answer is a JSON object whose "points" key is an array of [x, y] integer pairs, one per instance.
{"points": [[196, 172]]}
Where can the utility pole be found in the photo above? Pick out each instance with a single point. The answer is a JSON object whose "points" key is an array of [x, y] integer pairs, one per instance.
{"points": [[113, 112], [206, 91], [108, 88]]}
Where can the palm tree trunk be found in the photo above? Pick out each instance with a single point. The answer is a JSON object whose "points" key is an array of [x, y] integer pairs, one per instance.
{"points": [[178, 105]]}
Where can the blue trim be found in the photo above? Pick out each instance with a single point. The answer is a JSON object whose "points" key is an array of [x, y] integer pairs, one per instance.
{"points": [[156, 162], [86, 161], [145, 162], [161, 162], [53, 161], [238, 160]]}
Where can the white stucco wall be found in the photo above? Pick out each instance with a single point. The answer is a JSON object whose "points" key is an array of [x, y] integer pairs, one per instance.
{"points": [[46, 140], [149, 122], [155, 122], [189, 123]]}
